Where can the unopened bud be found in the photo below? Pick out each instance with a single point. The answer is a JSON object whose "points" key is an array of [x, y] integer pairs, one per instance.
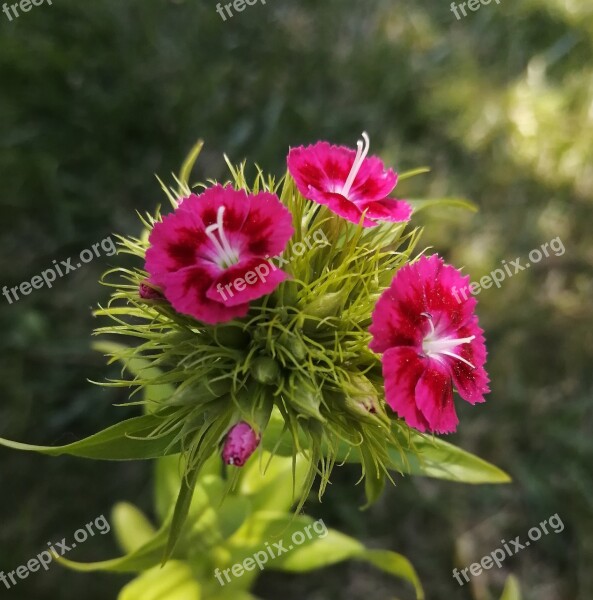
{"points": [[265, 370], [147, 292], [241, 442]]}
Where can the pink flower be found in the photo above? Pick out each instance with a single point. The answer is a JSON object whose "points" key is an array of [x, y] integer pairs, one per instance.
{"points": [[348, 182], [241, 442], [430, 342], [209, 257]]}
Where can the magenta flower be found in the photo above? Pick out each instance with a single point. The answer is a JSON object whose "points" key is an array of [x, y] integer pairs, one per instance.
{"points": [[241, 442], [209, 257], [348, 182], [430, 342]]}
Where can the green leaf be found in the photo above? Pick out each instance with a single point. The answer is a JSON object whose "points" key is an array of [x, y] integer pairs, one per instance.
{"points": [[374, 482], [118, 442], [433, 457], [275, 527], [511, 589], [220, 515], [412, 173], [168, 475], [397, 565], [208, 439], [276, 439], [320, 547], [317, 552], [145, 557], [174, 581], [278, 487], [181, 511], [424, 203], [190, 161], [131, 527]]}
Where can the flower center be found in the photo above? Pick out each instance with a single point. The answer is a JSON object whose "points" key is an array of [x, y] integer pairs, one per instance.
{"points": [[228, 256], [363, 149], [433, 345]]}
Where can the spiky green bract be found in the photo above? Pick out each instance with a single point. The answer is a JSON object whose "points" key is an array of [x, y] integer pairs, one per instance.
{"points": [[302, 350]]}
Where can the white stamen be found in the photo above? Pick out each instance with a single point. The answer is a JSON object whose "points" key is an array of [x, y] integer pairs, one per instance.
{"points": [[227, 254], [458, 357], [361, 153], [433, 347]]}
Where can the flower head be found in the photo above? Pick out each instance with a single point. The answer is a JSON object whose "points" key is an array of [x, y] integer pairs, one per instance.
{"points": [[348, 182], [241, 442], [430, 342], [210, 256]]}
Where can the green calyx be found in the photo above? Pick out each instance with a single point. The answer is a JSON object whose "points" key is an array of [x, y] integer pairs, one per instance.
{"points": [[302, 350]]}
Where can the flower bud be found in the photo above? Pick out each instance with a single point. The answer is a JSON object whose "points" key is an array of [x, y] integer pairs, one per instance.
{"points": [[265, 370], [326, 305], [241, 442], [361, 398], [146, 292]]}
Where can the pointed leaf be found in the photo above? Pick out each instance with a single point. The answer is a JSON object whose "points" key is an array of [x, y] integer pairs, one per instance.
{"points": [[397, 565], [131, 527], [433, 457], [190, 161], [174, 581], [275, 489], [168, 475], [118, 442], [412, 173], [181, 511], [512, 590], [215, 426], [325, 547], [147, 556], [424, 203]]}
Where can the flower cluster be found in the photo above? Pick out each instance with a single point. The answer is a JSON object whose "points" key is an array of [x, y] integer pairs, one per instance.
{"points": [[344, 347]]}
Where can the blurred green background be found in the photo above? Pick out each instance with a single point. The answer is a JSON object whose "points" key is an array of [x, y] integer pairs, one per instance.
{"points": [[97, 97]]}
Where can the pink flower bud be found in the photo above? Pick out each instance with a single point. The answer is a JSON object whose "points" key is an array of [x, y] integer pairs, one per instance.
{"points": [[149, 293], [240, 444]]}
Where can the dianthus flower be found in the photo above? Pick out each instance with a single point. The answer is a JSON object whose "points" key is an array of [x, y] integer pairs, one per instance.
{"points": [[430, 343], [347, 182], [209, 257]]}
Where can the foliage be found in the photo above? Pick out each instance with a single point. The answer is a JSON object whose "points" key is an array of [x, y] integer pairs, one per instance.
{"points": [[221, 533]]}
